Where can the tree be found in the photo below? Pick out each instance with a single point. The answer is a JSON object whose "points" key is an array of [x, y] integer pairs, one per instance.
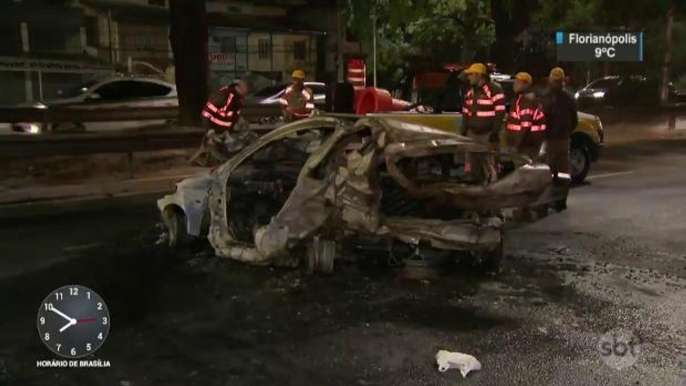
{"points": [[441, 30], [188, 38]]}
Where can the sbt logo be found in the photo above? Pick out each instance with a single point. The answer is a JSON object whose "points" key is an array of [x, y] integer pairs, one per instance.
{"points": [[619, 348]]}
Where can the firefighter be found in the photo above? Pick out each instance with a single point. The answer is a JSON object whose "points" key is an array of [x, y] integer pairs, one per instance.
{"points": [[297, 101], [222, 111], [561, 120], [525, 125], [220, 117], [483, 107]]}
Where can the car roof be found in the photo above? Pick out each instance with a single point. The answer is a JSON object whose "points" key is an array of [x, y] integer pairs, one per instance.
{"points": [[147, 80]]}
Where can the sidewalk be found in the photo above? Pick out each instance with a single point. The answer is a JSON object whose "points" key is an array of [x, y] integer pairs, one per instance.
{"points": [[92, 177], [103, 189]]}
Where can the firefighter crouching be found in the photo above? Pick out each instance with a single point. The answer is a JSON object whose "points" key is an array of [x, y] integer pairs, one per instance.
{"points": [[561, 120], [220, 116], [483, 107], [525, 125], [297, 101]]}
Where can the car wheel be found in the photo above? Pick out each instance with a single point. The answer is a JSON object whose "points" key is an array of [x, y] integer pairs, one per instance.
{"points": [[176, 226], [68, 127], [488, 262], [579, 162]]}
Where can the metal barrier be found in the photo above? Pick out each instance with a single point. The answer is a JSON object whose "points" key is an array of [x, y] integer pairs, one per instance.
{"points": [[33, 146], [61, 114], [125, 141]]}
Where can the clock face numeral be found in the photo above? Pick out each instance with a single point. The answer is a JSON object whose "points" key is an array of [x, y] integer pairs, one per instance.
{"points": [[73, 321]]}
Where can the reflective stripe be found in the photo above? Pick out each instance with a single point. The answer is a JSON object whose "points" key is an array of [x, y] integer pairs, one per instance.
{"points": [[225, 113], [485, 113], [527, 124], [210, 106], [498, 96], [283, 102], [214, 120], [500, 108], [526, 111], [487, 90], [513, 114], [465, 111], [297, 115], [469, 102], [484, 102], [539, 114], [538, 128], [514, 127], [306, 94], [564, 175], [309, 105], [228, 102]]}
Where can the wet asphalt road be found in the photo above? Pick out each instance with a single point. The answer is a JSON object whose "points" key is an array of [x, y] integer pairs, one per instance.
{"points": [[616, 261]]}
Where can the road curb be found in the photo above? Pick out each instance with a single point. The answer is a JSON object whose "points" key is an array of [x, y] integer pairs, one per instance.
{"points": [[71, 193]]}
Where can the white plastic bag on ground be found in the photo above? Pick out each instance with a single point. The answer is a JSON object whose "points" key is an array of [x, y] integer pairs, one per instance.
{"points": [[454, 360]]}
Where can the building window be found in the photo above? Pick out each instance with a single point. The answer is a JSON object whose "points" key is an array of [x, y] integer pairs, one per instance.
{"points": [[92, 31], [299, 50], [228, 44], [11, 39], [264, 49], [143, 42], [48, 40], [157, 3]]}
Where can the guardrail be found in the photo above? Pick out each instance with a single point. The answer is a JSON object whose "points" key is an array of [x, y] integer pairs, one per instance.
{"points": [[33, 146], [62, 114]]}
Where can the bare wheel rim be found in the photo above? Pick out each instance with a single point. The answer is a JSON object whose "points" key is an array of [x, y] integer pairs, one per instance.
{"points": [[172, 228]]}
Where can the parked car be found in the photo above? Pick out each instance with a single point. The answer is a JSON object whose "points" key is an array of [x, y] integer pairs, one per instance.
{"points": [[622, 91], [272, 94], [326, 188], [106, 94]]}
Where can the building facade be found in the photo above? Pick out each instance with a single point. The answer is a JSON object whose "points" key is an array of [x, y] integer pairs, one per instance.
{"points": [[42, 51], [47, 49]]}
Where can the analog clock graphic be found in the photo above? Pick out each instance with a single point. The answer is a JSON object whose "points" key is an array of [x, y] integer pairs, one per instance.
{"points": [[73, 321]]}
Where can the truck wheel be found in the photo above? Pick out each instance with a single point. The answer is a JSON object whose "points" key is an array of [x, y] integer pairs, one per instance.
{"points": [[176, 225], [579, 162]]}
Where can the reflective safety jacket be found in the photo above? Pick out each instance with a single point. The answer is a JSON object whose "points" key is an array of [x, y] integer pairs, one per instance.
{"points": [[300, 102], [525, 123], [484, 108], [222, 111]]}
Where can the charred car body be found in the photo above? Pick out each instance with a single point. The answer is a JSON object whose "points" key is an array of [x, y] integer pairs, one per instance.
{"points": [[311, 189]]}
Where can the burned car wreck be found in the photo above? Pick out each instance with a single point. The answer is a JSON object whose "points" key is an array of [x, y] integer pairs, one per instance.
{"points": [[316, 190]]}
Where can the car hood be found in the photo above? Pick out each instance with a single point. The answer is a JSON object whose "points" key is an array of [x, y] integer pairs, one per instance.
{"points": [[586, 116]]}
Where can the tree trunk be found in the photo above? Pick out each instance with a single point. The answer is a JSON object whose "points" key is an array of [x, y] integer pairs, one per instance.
{"points": [[664, 92], [502, 50], [188, 37]]}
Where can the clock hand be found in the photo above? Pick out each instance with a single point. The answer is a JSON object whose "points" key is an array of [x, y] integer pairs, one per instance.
{"points": [[86, 320], [60, 313], [71, 323]]}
